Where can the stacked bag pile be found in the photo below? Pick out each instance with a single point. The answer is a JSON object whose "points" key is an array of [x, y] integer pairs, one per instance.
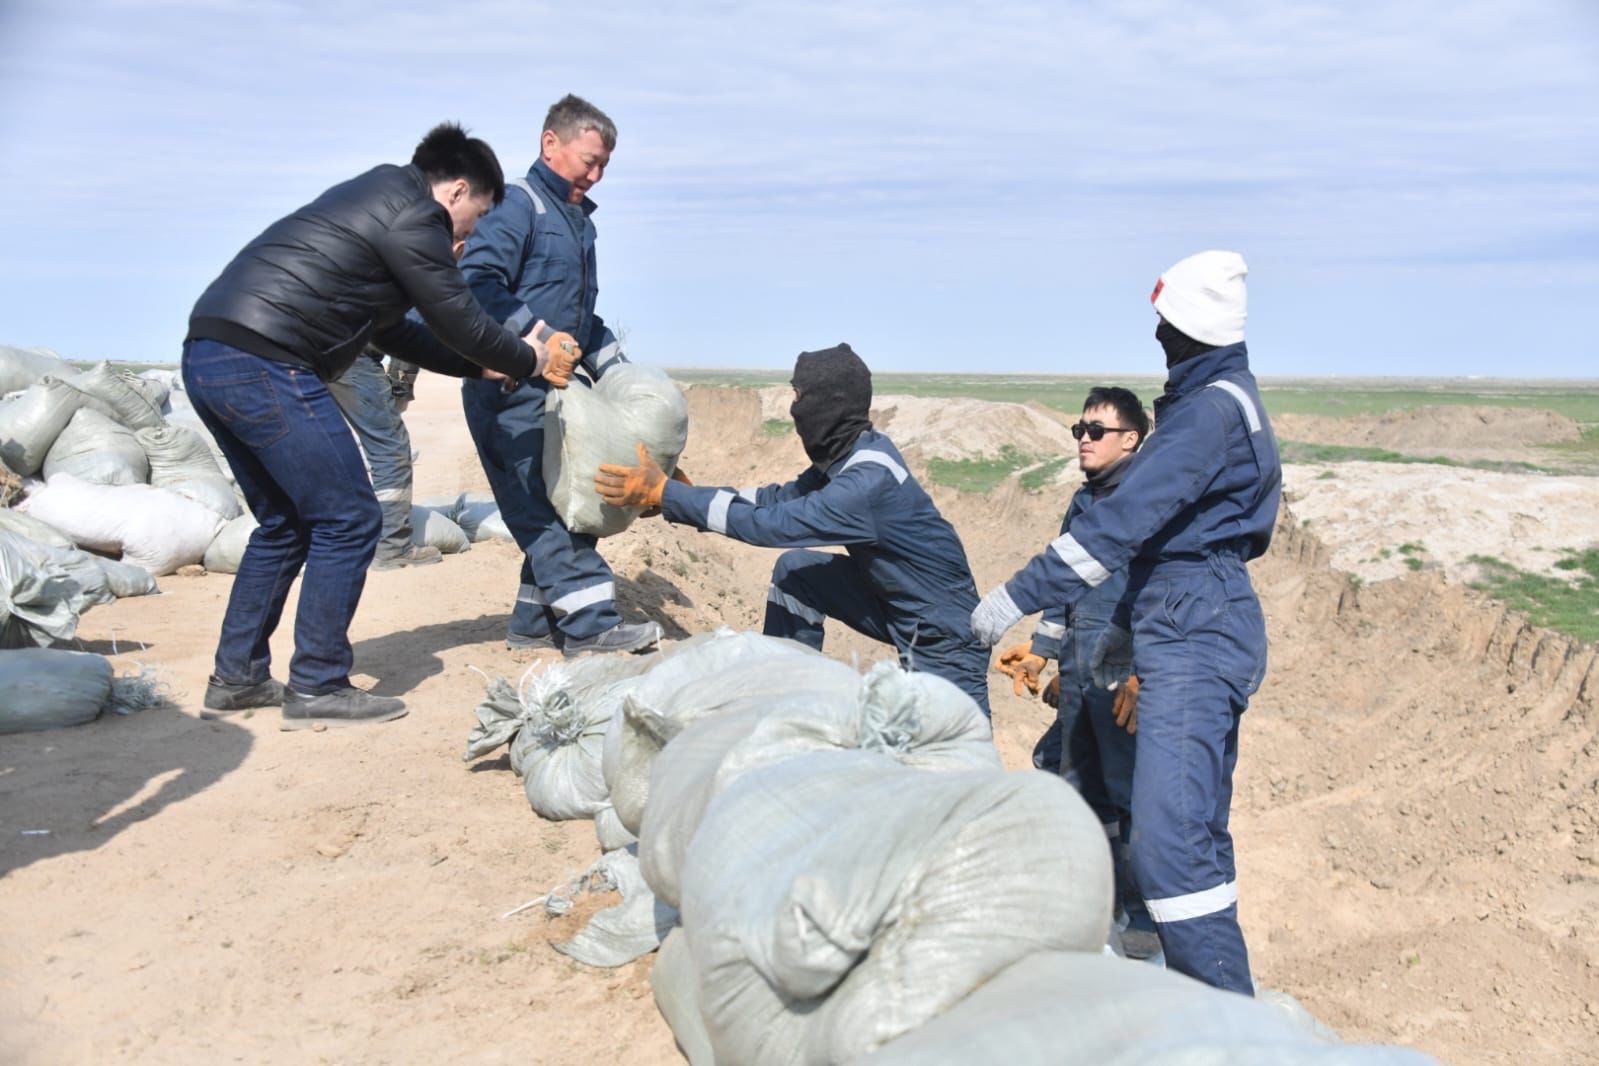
{"points": [[842, 870], [126, 468]]}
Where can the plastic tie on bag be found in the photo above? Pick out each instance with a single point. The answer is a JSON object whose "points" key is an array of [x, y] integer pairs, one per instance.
{"points": [[548, 707], [891, 711]]}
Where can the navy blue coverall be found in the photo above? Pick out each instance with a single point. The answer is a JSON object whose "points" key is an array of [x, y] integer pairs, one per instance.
{"points": [[1085, 745], [905, 580], [1198, 502], [533, 258]]}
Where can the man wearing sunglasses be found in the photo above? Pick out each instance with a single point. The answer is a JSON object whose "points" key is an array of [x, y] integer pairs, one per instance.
{"points": [[1196, 504], [1090, 743]]}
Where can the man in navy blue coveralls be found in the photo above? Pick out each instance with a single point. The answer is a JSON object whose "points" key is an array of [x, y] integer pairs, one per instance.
{"points": [[1197, 503], [904, 580], [1089, 744], [532, 261]]}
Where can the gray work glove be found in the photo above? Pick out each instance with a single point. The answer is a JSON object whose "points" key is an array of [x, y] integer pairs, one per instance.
{"points": [[994, 615], [1111, 661]]}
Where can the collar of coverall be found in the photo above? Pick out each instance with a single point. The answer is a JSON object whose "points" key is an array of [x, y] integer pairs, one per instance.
{"points": [[1201, 370], [557, 184]]}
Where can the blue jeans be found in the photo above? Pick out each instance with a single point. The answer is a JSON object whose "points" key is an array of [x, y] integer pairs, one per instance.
{"points": [[811, 586], [1199, 648], [565, 582], [366, 397], [300, 471]]}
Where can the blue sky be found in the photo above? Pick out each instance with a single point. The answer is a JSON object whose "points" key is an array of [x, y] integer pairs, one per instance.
{"points": [[949, 187]]}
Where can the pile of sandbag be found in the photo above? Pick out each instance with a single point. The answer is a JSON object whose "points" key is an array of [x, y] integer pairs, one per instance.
{"points": [[108, 428], [586, 426], [45, 584]]}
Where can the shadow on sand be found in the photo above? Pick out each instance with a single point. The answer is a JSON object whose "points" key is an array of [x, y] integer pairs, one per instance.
{"points": [[69, 790]]}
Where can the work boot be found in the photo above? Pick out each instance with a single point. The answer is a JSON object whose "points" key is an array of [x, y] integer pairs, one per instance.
{"points": [[413, 555], [527, 642], [224, 698], [621, 637], [343, 706]]}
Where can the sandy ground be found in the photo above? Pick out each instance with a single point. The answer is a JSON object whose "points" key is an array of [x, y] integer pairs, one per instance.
{"points": [[1416, 810]]}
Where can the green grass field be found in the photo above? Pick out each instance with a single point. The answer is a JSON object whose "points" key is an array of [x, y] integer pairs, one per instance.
{"points": [[1569, 606]]}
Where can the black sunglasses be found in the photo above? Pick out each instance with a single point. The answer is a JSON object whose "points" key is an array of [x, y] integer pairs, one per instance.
{"points": [[1096, 431]]}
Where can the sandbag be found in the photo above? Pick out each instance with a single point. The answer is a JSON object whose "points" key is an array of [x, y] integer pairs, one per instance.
{"points": [[227, 547], [609, 830], [433, 529], [177, 453], [22, 367], [676, 988], [122, 392], [1057, 1007], [478, 514], [30, 424], [37, 595], [24, 524], [150, 527], [48, 688], [631, 929], [769, 715], [652, 714], [158, 385], [182, 416], [93, 585], [584, 427], [566, 707], [836, 901], [126, 579], [214, 493], [99, 450]]}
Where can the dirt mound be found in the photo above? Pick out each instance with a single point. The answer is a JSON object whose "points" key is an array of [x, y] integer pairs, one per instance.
{"points": [[1417, 808], [1441, 516], [1445, 428], [953, 428]]}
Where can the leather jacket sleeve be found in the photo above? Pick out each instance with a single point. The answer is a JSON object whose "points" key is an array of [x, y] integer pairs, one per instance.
{"points": [[416, 251]]}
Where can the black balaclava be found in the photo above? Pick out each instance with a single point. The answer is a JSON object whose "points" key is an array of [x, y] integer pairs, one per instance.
{"points": [[1179, 346], [834, 403]]}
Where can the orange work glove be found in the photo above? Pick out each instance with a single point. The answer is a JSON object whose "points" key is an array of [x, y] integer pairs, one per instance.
{"points": [[1126, 706], [632, 486], [1023, 667], [677, 475], [564, 357]]}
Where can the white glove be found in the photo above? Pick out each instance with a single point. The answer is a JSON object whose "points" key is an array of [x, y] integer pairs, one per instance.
{"points": [[994, 615], [1111, 661]]}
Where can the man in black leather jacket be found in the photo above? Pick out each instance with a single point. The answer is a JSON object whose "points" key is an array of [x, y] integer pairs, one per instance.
{"points": [[290, 313]]}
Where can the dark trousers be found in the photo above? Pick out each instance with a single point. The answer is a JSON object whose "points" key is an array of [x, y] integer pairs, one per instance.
{"points": [[300, 472], [810, 586], [565, 582], [1199, 649]]}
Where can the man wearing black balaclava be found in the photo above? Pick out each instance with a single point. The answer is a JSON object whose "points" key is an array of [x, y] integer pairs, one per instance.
{"points": [[905, 580]]}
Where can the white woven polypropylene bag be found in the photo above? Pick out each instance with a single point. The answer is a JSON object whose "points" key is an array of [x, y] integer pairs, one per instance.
{"points": [[585, 427]]}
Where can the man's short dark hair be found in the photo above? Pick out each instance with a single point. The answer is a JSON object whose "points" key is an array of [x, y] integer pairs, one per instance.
{"points": [[1130, 412], [447, 153], [571, 115]]}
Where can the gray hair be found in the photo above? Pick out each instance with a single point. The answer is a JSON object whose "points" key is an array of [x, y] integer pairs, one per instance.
{"points": [[572, 115]]}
